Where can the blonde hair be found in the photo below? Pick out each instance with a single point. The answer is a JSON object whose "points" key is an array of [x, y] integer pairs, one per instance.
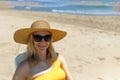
{"points": [[50, 55]]}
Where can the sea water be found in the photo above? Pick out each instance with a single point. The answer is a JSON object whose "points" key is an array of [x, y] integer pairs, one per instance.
{"points": [[66, 6]]}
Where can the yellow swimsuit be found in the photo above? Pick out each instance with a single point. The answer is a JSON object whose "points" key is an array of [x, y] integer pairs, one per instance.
{"points": [[55, 72]]}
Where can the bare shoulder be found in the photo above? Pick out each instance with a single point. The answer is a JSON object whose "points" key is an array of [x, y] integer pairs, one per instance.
{"points": [[23, 65], [61, 58], [22, 71]]}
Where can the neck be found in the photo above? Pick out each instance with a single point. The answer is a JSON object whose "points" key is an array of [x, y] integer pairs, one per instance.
{"points": [[41, 56]]}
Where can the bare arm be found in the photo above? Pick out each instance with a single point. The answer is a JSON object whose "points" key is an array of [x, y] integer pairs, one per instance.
{"points": [[64, 66], [21, 72]]}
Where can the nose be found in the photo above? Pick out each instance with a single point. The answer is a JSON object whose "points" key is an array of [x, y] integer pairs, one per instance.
{"points": [[42, 40]]}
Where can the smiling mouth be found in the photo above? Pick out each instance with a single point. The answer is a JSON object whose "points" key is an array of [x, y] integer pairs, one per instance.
{"points": [[41, 46]]}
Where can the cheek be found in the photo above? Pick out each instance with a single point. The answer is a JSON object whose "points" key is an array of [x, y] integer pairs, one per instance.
{"points": [[47, 44]]}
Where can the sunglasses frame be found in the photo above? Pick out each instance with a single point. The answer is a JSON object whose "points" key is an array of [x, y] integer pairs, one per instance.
{"points": [[38, 38]]}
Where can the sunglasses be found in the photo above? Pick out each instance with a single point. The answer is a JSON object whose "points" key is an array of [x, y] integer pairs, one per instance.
{"points": [[39, 38]]}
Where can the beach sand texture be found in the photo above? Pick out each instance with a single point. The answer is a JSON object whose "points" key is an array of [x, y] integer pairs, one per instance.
{"points": [[91, 48]]}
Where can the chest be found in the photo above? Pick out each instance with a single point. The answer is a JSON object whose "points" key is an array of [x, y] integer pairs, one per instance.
{"points": [[51, 73], [39, 67]]}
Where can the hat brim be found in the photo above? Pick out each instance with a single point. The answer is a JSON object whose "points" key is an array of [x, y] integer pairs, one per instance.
{"points": [[22, 35]]}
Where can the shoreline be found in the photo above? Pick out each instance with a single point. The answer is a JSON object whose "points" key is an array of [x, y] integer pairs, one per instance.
{"points": [[11, 4]]}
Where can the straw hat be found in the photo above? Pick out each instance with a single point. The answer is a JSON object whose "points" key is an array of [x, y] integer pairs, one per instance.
{"points": [[22, 35]]}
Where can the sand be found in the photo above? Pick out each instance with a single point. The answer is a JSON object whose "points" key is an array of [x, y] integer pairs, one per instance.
{"points": [[91, 48]]}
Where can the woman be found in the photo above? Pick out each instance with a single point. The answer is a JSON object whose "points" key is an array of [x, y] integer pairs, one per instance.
{"points": [[43, 63]]}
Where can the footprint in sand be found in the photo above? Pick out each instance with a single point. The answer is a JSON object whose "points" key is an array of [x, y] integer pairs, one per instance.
{"points": [[99, 78], [101, 58], [116, 57]]}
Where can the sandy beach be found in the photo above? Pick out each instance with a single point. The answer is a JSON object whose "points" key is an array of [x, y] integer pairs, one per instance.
{"points": [[91, 48]]}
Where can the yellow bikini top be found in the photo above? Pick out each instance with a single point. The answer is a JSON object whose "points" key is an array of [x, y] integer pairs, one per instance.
{"points": [[55, 72]]}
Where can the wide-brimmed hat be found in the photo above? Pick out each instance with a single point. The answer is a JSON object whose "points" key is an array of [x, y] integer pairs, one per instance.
{"points": [[22, 35]]}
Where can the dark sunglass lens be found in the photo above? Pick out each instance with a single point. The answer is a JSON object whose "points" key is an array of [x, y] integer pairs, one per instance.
{"points": [[47, 38], [37, 38]]}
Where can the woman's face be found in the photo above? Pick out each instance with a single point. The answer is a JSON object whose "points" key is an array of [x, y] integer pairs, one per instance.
{"points": [[41, 40]]}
